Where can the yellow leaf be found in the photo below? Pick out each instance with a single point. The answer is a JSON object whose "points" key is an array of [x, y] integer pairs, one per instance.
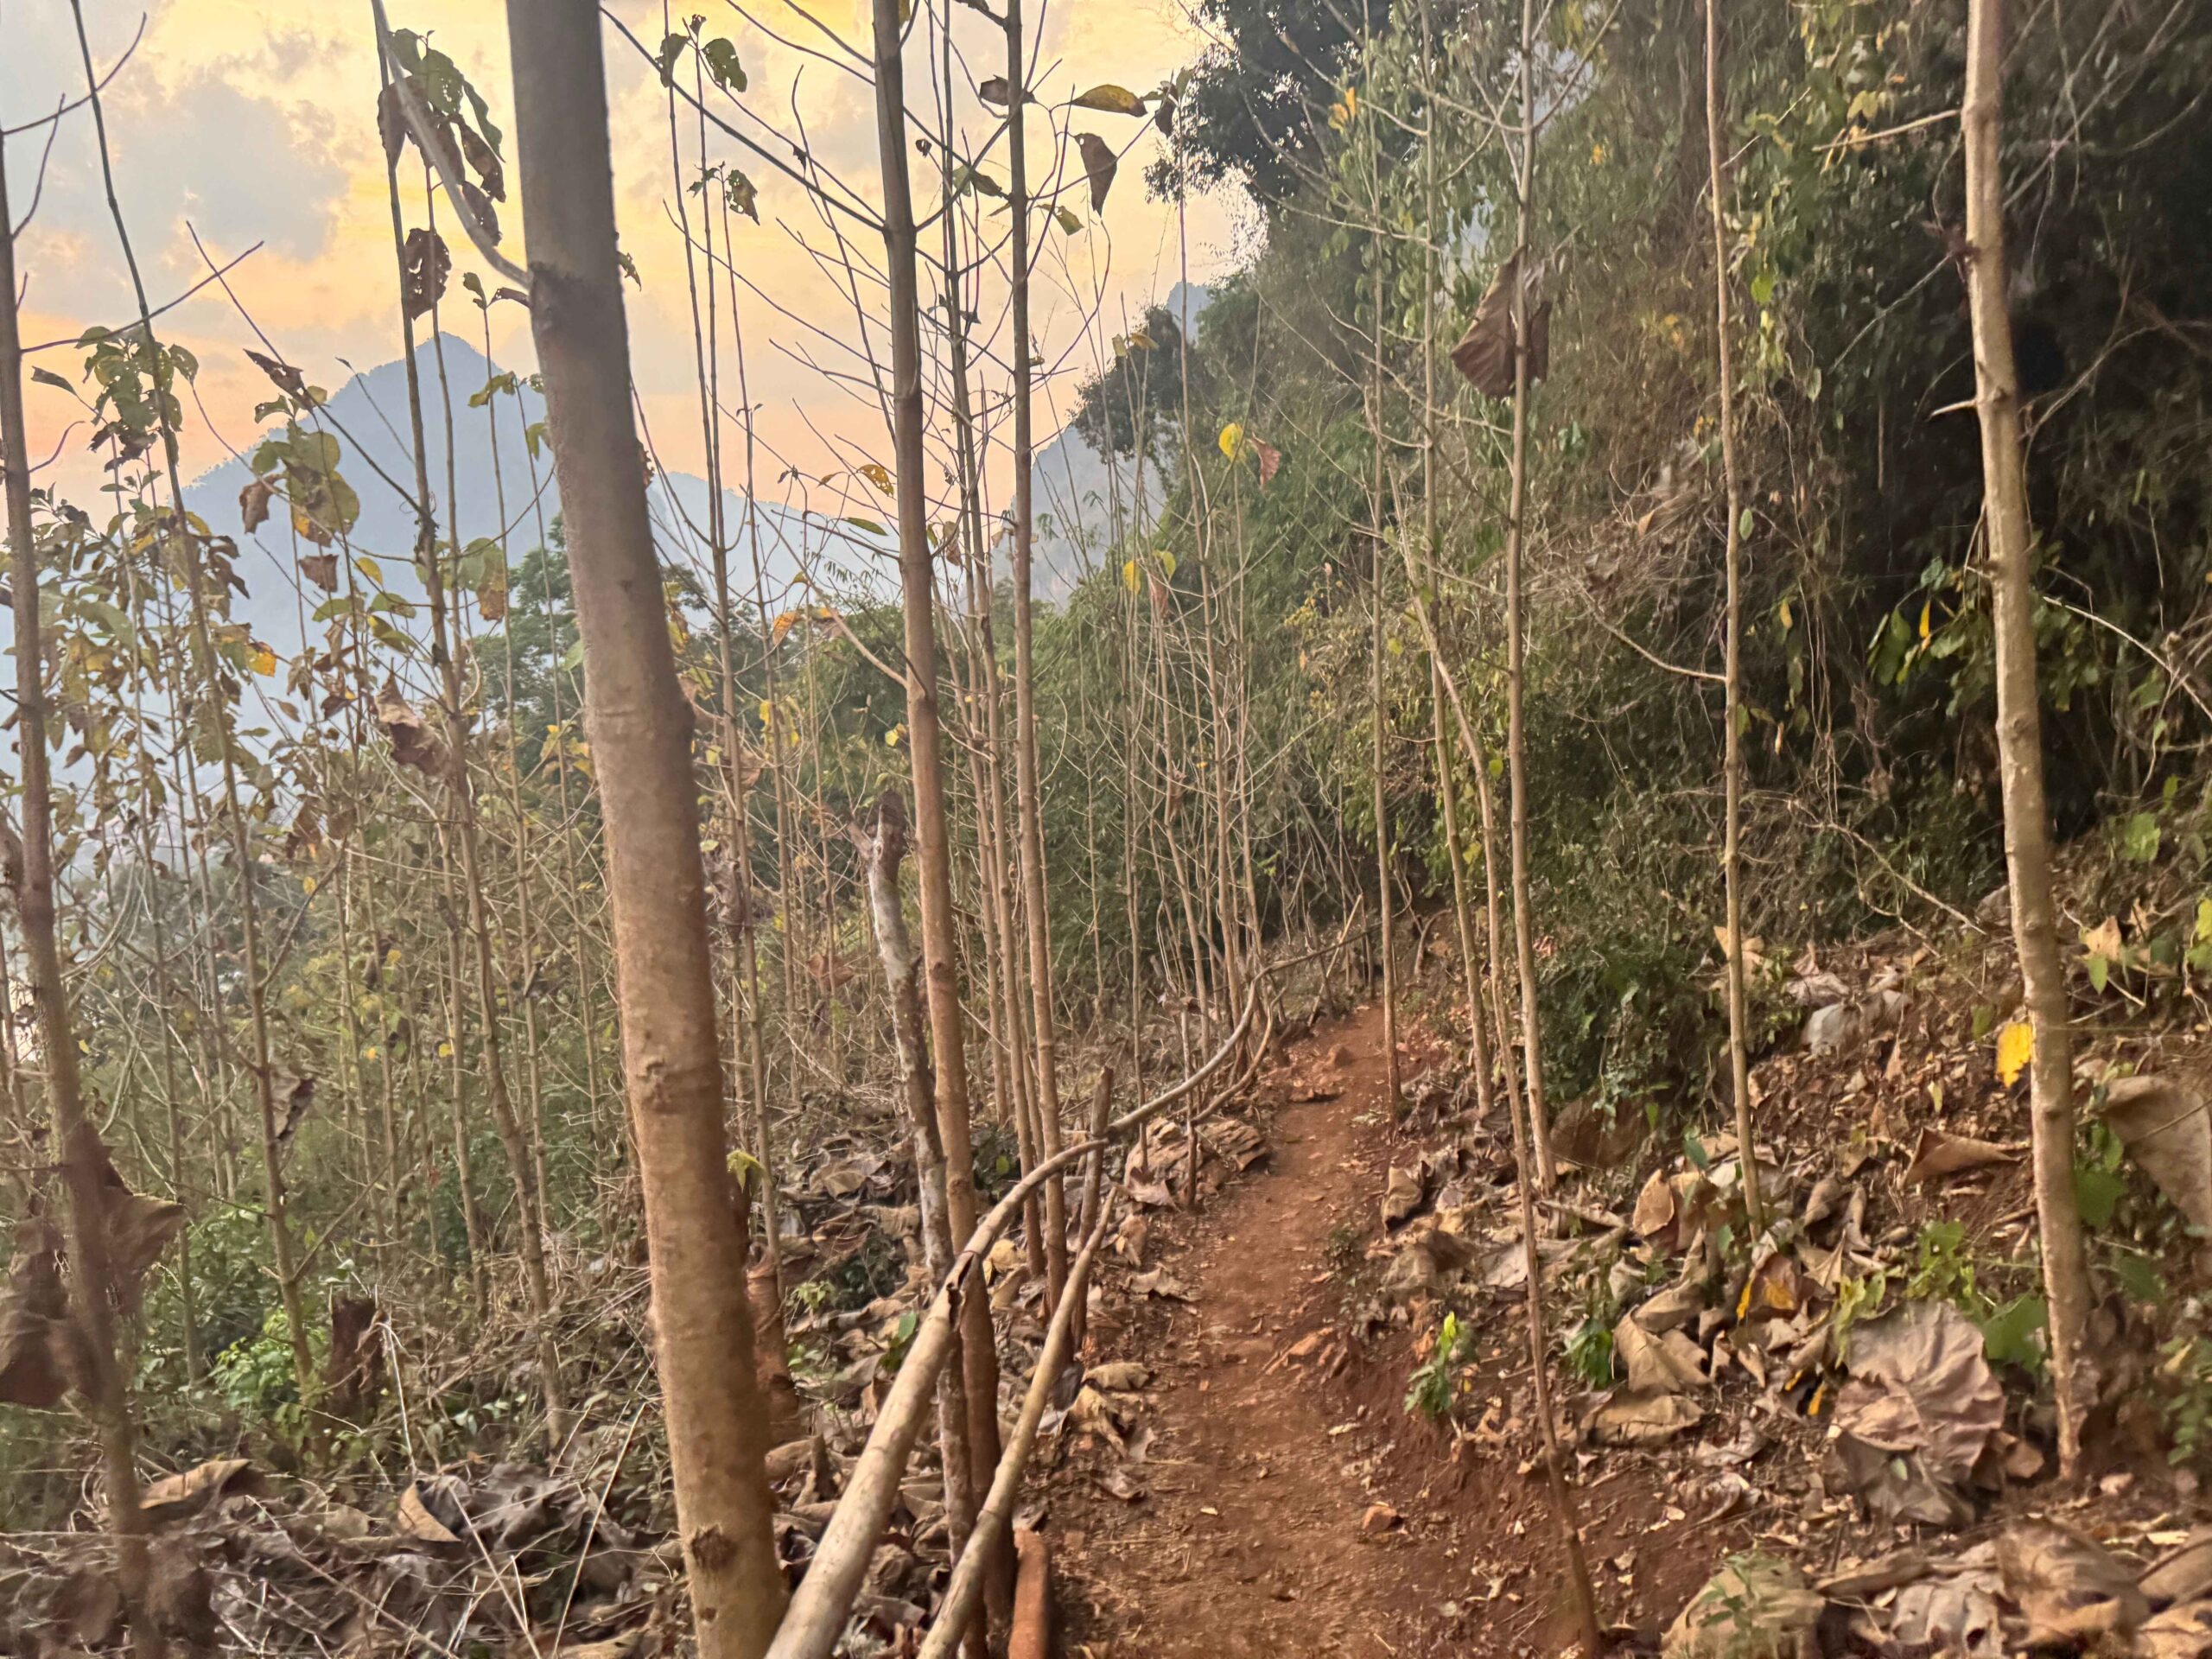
{"points": [[1232, 440], [1129, 578], [877, 474], [445, 1051], [1166, 562], [308, 884], [263, 660], [891, 738], [1111, 99], [1926, 607], [1789, 620], [2015, 1046]]}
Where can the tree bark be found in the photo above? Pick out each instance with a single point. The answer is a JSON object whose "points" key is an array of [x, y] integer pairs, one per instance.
{"points": [[932, 842], [76, 1143], [2019, 731], [1732, 857], [640, 730], [1028, 810], [1517, 766]]}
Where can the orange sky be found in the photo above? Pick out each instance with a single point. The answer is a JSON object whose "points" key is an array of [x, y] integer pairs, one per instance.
{"points": [[253, 121]]}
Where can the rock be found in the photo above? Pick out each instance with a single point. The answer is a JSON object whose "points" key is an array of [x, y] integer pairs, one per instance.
{"points": [[1402, 1198], [1840, 1024], [1755, 1607], [1380, 1518]]}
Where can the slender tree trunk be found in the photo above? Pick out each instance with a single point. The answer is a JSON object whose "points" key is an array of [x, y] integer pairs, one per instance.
{"points": [[1028, 809], [1731, 856], [1386, 896], [1525, 927], [2019, 731], [932, 842], [76, 1142], [883, 848], [640, 730]]}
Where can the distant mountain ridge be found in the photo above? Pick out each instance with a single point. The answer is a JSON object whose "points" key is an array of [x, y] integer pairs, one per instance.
{"points": [[493, 472]]}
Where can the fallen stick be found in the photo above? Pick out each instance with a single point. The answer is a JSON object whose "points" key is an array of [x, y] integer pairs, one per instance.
{"points": [[815, 1618], [962, 1594], [1032, 1636]]}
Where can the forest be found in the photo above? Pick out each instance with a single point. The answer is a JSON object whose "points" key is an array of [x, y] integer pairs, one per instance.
{"points": [[1481, 921]]}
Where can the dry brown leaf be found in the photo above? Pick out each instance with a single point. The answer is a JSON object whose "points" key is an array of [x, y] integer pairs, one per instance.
{"points": [[415, 1521], [175, 1496], [1485, 354], [1657, 1363], [1939, 1153], [1099, 164], [1920, 1409], [2163, 1125], [2071, 1589]]}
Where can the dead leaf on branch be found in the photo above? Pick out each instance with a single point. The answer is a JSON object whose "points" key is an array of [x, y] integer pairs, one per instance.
{"points": [[424, 266], [1111, 99], [1485, 354], [321, 568], [413, 743], [253, 504], [39, 1357], [173, 1498], [1099, 164]]}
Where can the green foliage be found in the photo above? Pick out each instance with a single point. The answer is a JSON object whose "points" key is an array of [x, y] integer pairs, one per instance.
{"points": [[1431, 1390], [254, 1377], [1590, 1353], [2186, 1381]]}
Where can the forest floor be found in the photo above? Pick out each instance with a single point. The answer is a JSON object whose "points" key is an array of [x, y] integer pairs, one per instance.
{"points": [[1287, 1502]]}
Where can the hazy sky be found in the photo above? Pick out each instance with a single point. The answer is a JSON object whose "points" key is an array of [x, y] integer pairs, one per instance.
{"points": [[253, 121]]}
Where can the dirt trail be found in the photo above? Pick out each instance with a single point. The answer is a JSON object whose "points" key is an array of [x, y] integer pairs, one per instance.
{"points": [[1254, 1537], [1251, 1525]]}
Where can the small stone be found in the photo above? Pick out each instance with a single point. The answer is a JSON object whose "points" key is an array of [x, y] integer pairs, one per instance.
{"points": [[1380, 1518]]}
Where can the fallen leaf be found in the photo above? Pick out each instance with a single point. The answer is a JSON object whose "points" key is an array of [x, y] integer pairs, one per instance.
{"points": [[2071, 1589], [1939, 1153]]}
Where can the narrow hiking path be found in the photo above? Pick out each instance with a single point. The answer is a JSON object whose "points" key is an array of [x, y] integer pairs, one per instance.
{"points": [[1249, 1537], [1285, 1502]]}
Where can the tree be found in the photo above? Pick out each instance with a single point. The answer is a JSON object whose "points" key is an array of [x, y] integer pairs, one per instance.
{"points": [[28, 861], [2011, 542], [1246, 112], [640, 727], [1732, 854]]}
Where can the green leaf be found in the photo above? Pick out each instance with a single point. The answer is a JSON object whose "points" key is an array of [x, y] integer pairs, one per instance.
{"points": [[2097, 1194], [1067, 219], [573, 657], [49, 378], [1694, 1149], [1744, 522], [2012, 1335], [722, 65], [2139, 841], [2137, 1276], [671, 49]]}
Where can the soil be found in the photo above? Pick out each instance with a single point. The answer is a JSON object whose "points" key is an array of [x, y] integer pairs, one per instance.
{"points": [[1287, 1502]]}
